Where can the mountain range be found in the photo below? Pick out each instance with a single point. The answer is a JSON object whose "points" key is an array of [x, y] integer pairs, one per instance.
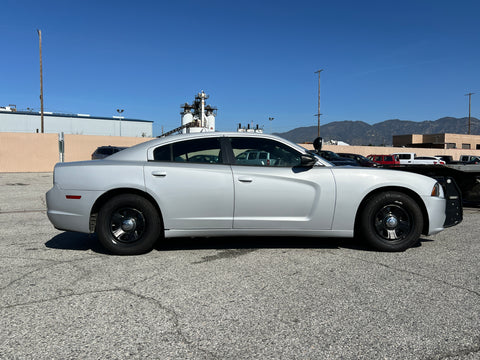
{"points": [[361, 133]]}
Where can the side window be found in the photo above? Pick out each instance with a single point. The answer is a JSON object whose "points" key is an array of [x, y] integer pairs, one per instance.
{"points": [[193, 151], [263, 152]]}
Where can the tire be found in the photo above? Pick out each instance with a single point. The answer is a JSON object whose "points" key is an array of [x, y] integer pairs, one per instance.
{"points": [[391, 221], [128, 224]]}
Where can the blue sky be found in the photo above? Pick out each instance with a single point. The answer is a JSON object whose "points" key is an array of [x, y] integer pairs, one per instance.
{"points": [[409, 60]]}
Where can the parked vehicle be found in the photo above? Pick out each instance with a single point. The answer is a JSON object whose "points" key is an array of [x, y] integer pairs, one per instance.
{"points": [[360, 159], [413, 159], [447, 158], [428, 160], [405, 158], [253, 157], [336, 159], [385, 160], [471, 159], [103, 151], [154, 190]]}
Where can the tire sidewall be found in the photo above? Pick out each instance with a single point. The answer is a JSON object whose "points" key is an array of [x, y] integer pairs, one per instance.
{"points": [[377, 202], [151, 234]]}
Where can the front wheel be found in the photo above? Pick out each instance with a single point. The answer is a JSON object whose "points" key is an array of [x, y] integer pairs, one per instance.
{"points": [[128, 224], [391, 221]]}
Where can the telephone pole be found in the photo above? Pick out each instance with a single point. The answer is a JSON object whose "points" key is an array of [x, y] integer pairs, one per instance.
{"points": [[41, 80], [469, 109], [318, 113]]}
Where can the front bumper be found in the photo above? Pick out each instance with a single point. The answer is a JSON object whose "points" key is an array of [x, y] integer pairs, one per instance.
{"points": [[453, 198]]}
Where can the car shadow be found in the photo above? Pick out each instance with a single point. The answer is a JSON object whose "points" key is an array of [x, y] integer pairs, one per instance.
{"points": [[84, 242], [75, 241]]}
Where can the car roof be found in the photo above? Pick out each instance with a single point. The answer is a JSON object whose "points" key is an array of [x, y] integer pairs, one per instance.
{"points": [[139, 152]]}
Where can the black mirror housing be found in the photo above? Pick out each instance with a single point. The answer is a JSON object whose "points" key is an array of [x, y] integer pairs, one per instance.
{"points": [[308, 160]]}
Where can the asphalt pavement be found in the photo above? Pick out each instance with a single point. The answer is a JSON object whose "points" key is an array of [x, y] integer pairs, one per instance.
{"points": [[63, 297]]}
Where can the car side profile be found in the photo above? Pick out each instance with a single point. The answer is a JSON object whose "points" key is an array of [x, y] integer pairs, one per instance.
{"points": [[385, 160], [194, 185]]}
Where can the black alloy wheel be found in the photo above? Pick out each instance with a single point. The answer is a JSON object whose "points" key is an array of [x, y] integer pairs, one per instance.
{"points": [[391, 221], [128, 224]]}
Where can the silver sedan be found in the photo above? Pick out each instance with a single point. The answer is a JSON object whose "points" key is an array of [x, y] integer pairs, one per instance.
{"points": [[240, 184]]}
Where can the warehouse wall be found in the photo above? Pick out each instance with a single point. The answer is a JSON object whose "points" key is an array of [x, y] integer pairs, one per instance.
{"points": [[24, 152]]}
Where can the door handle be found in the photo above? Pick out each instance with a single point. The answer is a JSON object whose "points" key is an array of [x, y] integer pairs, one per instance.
{"points": [[159, 173], [245, 179]]}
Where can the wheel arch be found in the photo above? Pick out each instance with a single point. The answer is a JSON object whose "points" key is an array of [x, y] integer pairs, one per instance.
{"points": [[114, 192], [403, 190]]}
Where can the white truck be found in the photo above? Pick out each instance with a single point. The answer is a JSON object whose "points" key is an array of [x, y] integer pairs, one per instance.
{"points": [[413, 159]]}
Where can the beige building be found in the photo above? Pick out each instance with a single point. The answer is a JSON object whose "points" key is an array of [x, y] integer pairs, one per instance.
{"points": [[438, 141]]}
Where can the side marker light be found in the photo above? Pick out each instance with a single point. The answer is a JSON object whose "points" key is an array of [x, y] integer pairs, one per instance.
{"points": [[73, 197]]}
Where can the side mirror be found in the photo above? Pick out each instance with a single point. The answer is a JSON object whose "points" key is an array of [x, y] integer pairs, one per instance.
{"points": [[308, 160]]}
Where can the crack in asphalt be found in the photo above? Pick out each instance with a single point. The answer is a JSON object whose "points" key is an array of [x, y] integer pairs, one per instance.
{"points": [[416, 274], [475, 348], [172, 313], [24, 211], [42, 267], [225, 254]]}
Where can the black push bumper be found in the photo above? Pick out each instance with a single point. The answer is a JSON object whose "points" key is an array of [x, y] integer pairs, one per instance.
{"points": [[453, 196]]}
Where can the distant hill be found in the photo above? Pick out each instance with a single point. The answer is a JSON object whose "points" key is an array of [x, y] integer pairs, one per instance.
{"points": [[361, 133]]}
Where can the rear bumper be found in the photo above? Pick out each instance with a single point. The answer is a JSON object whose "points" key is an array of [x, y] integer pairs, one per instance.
{"points": [[70, 214]]}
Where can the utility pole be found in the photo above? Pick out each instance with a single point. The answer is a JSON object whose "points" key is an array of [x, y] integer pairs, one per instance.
{"points": [[41, 80], [469, 109], [318, 113]]}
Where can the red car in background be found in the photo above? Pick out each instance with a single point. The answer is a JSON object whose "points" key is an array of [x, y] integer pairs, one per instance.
{"points": [[385, 160]]}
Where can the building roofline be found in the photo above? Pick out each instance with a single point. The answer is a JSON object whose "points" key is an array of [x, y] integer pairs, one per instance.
{"points": [[78, 116]]}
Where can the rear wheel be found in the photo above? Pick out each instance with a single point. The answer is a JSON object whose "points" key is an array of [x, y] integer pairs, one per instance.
{"points": [[391, 221], [128, 224]]}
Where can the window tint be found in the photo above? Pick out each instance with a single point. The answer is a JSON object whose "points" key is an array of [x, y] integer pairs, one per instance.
{"points": [[105, 151], [194, 151], [263, 152]]}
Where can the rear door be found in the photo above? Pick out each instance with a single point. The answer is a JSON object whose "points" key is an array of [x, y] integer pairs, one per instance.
{"points": [[279, 194], [192, 184]]}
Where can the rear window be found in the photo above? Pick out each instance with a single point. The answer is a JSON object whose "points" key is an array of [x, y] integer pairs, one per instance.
{"points": [[105, 151]]}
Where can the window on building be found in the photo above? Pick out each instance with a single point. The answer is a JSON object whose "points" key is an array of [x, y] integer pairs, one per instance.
{"points": [[465, 146], [451, 145], [478, 146]]}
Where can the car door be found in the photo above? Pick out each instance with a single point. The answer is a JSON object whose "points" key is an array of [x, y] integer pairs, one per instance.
{"points": [[191, 183], [279, 194]]}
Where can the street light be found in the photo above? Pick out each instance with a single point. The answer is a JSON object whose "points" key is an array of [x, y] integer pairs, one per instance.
{"points": [[120, 117]]}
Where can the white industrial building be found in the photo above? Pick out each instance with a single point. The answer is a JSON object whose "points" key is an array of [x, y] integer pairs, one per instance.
{"points": [[77, 124]]}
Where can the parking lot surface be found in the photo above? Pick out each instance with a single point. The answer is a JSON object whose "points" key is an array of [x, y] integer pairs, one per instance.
{"points": [[63, 297]]}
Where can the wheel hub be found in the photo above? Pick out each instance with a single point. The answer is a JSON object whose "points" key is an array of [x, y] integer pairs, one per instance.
{"points": [[128, 224], [391, 222]]}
